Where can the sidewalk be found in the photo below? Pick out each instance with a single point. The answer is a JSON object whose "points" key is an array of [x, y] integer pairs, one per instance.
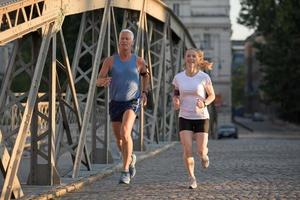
{"points": [[268, 129], [98, 172], [239, 169]]}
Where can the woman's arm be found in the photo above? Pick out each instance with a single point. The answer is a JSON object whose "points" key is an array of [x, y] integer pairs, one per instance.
{"points": [[210, 94], [176, 99]]}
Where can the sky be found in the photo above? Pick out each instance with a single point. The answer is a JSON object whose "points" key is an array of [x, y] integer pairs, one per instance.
{"points": [[240, 32]]}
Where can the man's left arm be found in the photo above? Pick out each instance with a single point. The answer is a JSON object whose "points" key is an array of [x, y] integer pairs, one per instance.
{"points": [[145, 75]]}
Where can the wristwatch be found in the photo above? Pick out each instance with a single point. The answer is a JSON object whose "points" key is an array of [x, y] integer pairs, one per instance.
{"points": [[204, 103], [146, 92]]}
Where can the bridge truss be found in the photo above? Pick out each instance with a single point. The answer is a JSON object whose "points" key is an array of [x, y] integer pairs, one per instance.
{"points": [[60, 116]]}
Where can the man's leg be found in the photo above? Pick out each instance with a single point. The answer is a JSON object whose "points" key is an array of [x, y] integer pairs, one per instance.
{"points": [[116, 126], [127, 143]]}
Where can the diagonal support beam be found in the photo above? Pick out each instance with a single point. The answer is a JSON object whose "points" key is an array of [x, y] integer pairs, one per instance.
{"points": [[4, 157], [8, 75], [73, 92], [17, 151], [160, 71], [91, 92]]}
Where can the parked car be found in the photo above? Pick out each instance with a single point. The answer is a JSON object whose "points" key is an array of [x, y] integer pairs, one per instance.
{"points": [[227, 130], [258, 117]]}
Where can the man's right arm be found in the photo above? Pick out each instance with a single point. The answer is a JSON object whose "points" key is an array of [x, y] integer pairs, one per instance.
{"points": [[103, 80]]}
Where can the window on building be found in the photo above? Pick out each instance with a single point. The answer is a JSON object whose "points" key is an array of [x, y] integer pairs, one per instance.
{"points": [[176, 8], [207, 41]]}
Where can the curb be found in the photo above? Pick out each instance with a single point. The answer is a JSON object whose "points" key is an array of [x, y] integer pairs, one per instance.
{"points": [[243, 125], [78, 184]]}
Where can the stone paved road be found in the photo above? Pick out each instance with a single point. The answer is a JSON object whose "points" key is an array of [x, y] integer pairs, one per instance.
{"points": [[240, 169]]}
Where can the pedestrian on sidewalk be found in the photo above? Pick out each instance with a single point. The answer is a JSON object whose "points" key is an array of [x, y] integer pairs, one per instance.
{"points": [[193, 92], [126, 96]]}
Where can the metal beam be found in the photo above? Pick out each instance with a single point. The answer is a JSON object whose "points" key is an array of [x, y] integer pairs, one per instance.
{"points": [[91, 92], [55, 9], [160, 63], [68, 93], [17, 151], [52, 117], [5, 158], [8, 75], [154, 27], [17, 20]]}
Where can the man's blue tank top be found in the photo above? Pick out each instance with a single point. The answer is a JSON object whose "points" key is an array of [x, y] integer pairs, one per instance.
{"points": [[125, 81]]}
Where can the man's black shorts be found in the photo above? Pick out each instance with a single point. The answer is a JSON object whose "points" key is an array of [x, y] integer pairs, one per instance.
{"points": [[117, 108]]}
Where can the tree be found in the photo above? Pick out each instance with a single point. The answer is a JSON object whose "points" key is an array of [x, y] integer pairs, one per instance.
{"points": [[278, 21], [238, 84]]}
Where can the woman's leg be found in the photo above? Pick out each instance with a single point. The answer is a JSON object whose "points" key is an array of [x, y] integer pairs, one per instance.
{"points": [[186, 139], [201, 141]]}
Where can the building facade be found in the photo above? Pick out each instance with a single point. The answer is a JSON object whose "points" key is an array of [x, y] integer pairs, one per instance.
{"points": [[238, 77], [209, 24], [254, 95], [238, 53]]}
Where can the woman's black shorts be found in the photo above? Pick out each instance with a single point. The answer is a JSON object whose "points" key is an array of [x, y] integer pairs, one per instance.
{"points": [[195, 125]]}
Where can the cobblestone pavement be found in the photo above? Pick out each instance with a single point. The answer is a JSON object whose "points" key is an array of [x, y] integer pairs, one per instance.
{"points": [[240, 169]]}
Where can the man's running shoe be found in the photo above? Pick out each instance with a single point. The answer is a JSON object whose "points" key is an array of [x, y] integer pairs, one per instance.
{"points": [[125, 178], [132, 169]]}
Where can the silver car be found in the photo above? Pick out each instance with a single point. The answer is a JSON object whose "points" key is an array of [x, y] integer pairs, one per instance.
{"points": [[227, 130]]}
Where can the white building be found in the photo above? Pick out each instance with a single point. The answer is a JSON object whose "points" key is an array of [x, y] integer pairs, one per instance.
{"points": [[209, 24]]}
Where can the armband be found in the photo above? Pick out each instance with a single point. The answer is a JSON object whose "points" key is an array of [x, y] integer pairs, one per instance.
{"points": [[176, 93], [144, 73]]}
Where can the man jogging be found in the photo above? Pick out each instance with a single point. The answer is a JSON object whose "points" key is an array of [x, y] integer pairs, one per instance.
{"points": [[126, 96]]}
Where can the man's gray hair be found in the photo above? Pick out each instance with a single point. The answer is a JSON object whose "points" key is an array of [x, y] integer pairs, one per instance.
{"points": [[128, 31]]}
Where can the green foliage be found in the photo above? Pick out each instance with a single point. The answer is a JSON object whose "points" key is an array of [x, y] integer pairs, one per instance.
{"points": [[238, 83], [21, 83], [70, 29], [279, 23]]}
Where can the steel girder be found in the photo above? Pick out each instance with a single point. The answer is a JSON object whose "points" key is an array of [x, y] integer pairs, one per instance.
{"points": [[61, 128], [153, 47], [11, 171], [18, 18]]}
